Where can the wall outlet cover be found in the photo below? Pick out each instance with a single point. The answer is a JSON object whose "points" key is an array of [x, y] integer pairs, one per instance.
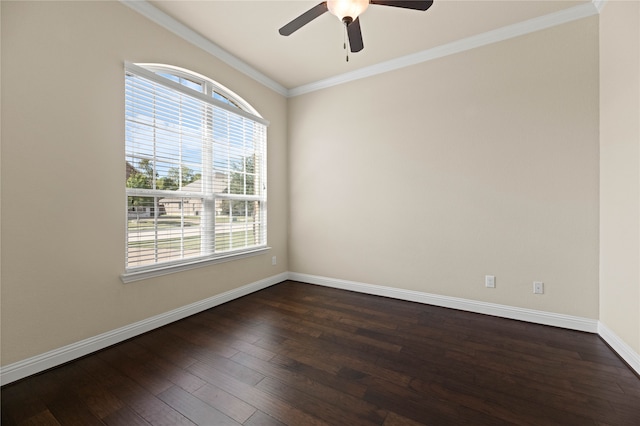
{"points": [[490, 281], [538, 287]]}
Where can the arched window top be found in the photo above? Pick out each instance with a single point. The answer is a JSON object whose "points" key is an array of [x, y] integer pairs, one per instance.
{"points": [[201, 84]]}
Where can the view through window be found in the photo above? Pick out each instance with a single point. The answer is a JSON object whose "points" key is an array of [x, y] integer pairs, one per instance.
{"points": [[195, 169]]}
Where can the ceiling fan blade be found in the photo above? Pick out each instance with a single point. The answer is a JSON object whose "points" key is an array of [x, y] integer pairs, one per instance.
{"points": [[355, 36], [406, 4], [304, 19]]}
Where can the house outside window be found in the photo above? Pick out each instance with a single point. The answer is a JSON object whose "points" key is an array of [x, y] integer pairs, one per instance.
{"points": [[195, 181]]}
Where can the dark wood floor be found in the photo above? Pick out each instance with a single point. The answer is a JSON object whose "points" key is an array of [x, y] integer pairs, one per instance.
{"points": [[299, 354]]}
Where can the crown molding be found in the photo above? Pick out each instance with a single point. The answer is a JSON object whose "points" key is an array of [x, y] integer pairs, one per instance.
{"points": [[501, 34], [150, 12], [505, 33], [599, 4]]}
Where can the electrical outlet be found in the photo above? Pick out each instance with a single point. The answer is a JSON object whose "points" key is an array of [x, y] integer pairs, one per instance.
{"points": [[490, 281], [538, 287], [274, 261]]}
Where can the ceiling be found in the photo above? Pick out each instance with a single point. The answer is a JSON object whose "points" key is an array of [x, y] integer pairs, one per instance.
{"points": [[249, 30]]}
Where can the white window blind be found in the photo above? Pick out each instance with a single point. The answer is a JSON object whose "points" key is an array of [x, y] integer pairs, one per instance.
{"points": [[196, 171]]}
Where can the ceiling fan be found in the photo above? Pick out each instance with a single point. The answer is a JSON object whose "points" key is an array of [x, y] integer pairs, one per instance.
{"points": [[348, 12]]}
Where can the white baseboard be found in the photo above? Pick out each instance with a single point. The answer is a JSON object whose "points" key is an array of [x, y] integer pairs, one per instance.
{"points": [[39, 363], [504, 311], [623, 350]]}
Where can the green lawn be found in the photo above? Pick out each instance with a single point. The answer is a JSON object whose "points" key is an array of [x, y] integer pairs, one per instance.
{"points": [[168, 222], [193, 243], [164, 222]]}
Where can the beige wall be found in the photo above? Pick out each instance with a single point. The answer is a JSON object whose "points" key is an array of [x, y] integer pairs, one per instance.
{"points": [[620, 170], [430, 177], [425, 178], [63, 168]]}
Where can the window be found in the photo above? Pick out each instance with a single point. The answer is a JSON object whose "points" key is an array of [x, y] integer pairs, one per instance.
{"points": [[195, 171]]}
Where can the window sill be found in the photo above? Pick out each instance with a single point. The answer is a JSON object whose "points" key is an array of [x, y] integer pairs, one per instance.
{"points": [[144, 274]]}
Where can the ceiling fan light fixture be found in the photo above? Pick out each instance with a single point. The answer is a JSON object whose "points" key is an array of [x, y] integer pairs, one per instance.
{"points": [[347, 8], [348, 12]]}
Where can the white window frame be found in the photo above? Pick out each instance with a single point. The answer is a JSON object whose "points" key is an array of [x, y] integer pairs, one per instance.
{"points": [[225, 100]]}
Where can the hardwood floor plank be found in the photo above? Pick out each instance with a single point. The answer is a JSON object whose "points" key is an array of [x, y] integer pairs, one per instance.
{"points": [[195, 409], [253, 350], [354, 340], [239, 313], [143, 373], [150, 407], [315, 405], [226, 403], [213, 358], [124, 417], [300, 353], [291, 327], [435, 365], [394, 419], [70, 411], [273, 406], [170, 371], [318, 375], [337, 314], [98, 400], [236, 370], [201, 337], [226, 330], [424, 408], [335, 356], [294, 308], [629, 386], [261, 419], [371, 368], [297, 374], [20, 403], [516, 407], [331, 389], [177, 337], [44, 418], [161, 342]]}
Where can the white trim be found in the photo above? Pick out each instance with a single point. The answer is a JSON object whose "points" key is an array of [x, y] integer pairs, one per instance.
{"points": [[160, 270], [532, 25], [39, 363], [176, 27], [620, 347], [209, 86], [515, 30], [504, 311], [599, 4]]}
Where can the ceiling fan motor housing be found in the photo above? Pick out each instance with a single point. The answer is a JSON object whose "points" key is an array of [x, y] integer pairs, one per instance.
{"points": [[347, 8]]}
